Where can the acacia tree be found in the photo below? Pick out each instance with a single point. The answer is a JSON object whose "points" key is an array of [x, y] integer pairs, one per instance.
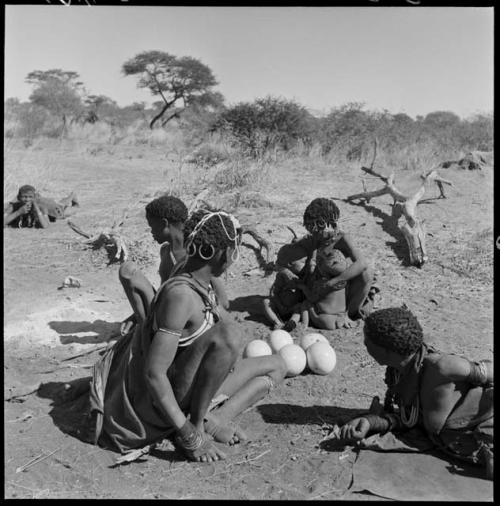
{"points": [[176, 80], [58, 91]]}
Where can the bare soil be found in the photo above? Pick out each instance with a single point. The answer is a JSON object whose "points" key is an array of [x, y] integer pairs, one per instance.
{"points": [[452, 295]]}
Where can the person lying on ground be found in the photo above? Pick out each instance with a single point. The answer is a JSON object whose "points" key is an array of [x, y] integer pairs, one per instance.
{"points": [[25, 211], [58, 210], [30, 209], [449, 396], [296, 262], [160, 380], [166, 216]]}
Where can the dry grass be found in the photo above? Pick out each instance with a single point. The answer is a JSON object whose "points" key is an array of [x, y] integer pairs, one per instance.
{"points": [[27, 166]]}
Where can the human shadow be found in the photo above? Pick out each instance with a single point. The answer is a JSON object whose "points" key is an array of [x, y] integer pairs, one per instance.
{"points": [[70, 407], [252, 304], [68, 330], [70, 412], [307, 415], [389, 225]]}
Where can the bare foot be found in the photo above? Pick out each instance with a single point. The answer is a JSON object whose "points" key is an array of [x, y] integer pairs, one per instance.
{"points": [[223, 432]]}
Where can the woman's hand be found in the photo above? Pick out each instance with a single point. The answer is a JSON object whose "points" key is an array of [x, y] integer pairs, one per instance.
{"points": [[355, 430]]}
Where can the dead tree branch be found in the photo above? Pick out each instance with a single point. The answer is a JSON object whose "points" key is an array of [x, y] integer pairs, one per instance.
{"points": [[406, 206], [110, 237]]}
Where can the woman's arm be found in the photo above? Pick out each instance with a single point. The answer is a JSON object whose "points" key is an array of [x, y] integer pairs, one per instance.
{"points": [[441, 382], [172, 315]]}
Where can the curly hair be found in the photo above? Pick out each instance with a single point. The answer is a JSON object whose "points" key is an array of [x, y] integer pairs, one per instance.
{"points": [[169, 207], [395, 329], [321, 209], [206, 232]]}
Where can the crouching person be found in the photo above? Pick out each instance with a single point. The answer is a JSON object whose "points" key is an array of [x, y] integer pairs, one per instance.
{"points": [[447, 395], [163, 379]]}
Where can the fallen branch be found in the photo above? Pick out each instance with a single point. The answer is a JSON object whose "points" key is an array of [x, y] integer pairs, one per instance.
{"points": [[31, 390], [406, 206], [262, 242], [95, 348], [36, 460], [253, 458]]}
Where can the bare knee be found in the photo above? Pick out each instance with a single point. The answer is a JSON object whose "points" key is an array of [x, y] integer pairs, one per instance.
{"points": [[127, 270], [278, 370], [368, 274]]}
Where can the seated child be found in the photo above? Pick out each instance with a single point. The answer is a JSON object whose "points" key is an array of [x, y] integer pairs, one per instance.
{"points": [[325, 305], [310, 298], [25, 212]]}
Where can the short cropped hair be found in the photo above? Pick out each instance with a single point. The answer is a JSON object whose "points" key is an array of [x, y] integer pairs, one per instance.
{"points": [[169, 207], [25, 189], [321, 209], [216, 232], [395, 329]]}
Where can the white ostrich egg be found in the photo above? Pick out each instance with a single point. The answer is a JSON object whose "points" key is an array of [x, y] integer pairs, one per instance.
{"points": [[311, 338], [279, 338], [257, 348], [321, 358], [294, 357]]}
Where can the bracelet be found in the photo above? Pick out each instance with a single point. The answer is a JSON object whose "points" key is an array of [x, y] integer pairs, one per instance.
{"points": [[378, 423], [478, 373], [189, 436]]}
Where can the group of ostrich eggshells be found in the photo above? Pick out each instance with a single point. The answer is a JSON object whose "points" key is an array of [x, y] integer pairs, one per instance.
{"points": [[313, 351]]}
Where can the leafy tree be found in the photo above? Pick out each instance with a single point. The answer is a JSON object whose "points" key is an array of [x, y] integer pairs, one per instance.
{"points": [[441, 119], [97, 107], [267, 123], [58, 91], [177, 80]]}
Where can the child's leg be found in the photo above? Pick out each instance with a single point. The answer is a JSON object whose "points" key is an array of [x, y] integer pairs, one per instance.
{"points": [[271, 314], [328, 321], [249, 381], [138, 289]]}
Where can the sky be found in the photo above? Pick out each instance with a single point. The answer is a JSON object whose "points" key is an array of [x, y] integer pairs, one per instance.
{"points": [[412, 60]]}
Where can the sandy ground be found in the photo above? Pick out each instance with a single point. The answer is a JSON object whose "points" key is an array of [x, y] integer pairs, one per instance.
{"points": [[452, 295]]}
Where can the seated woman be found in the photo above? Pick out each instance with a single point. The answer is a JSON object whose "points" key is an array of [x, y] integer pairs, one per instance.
{"points": [[296, 262], [447, 395], [25, 212], [166, 216], [161, 378]]}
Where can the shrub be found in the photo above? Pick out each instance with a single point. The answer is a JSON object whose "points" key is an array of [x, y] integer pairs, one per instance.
{"points": [[265, 124]]}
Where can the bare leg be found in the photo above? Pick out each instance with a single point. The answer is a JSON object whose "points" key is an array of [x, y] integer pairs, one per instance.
{"points": [[138, 289], [271, 314], [70, 200], [357, 290], [250, 381], [328, 321], [199, 370]]}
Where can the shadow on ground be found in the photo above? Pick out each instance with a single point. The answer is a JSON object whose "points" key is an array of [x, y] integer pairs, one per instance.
{"points": [[70, 412], [103, 331], [306, 415], [251, 304]]}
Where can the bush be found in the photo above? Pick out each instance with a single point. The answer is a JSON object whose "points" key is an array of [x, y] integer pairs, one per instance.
{"points": [[266, 124]]}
